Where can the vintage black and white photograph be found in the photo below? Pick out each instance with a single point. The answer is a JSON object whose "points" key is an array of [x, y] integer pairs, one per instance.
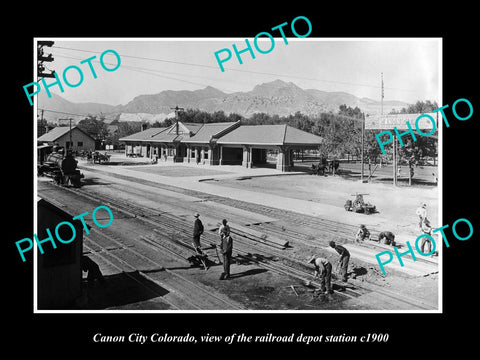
{"points": [[270, 174]]}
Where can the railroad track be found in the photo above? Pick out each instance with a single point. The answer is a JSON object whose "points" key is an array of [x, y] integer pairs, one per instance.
{"points": [[310, 225], [183, 294], [176, 231]]}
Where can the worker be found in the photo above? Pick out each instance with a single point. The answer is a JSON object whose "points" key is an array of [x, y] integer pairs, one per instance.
{"points": [[427, 229], [344, 258], [323, 270], [226, 247], [362, 234], [387, 237], [197, 231], [224, 229], [422, 214]]}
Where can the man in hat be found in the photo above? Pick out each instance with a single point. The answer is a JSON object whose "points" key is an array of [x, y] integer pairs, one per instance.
{"points": [[197, 231], [362, 234], [323, 270], [226, 247], [344, 258]]}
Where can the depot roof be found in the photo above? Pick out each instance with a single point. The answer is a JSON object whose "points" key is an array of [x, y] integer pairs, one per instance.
{"points": [[212, 131], [228, 133], [145, 135], [58, 132], [270, 135]]}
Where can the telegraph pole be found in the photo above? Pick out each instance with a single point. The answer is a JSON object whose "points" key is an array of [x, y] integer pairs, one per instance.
{"points": [[70, 132], [394, 165], [177, 109], [363, 143], [381, 99]]}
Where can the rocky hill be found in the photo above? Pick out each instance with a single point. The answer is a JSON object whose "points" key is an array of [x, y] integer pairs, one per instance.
{"points": [[276, 97]]}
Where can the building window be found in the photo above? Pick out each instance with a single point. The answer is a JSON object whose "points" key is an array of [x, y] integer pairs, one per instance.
{"points": [[79, 143]]}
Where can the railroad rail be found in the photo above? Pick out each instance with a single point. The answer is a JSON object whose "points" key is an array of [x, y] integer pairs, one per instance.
{"points": [[310, 225], [176, 231], [183, 293]]}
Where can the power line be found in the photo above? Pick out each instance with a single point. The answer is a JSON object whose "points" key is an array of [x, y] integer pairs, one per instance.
{"points": [[66, 113], [243, 71], [154, 72]]}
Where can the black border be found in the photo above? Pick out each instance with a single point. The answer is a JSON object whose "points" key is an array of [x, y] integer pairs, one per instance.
{"points": [[409, 333]]}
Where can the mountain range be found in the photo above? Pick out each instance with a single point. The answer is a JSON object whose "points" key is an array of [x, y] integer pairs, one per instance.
{"points": [[276, 97]]}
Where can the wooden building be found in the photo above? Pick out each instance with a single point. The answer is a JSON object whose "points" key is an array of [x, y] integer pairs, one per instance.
{"points": [[59, 270], [60, 136]]}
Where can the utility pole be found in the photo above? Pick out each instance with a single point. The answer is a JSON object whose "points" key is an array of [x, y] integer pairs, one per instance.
{"points": [[394, 160], [394, 165], [70, 133], [41, 129], [381, 99], [177, 109], [363, 143]]}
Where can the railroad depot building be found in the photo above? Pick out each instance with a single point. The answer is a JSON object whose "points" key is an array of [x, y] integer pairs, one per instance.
{"points": [[226, 143]]}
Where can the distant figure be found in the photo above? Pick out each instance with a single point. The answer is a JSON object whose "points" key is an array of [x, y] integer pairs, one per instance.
{"points": [[427, 229], [387, 237], [226, 247], [422, 214], [197, 156], [94, 273], [197, 231], [362, 234], [323, 270], [344, 258]]}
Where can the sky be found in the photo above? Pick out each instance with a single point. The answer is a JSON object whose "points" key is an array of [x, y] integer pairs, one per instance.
{"points": [[411, 67]]}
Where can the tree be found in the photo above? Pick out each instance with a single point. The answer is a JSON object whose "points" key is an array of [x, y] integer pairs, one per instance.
{"points": [[423, 146], [95, 128], [420, 107]]}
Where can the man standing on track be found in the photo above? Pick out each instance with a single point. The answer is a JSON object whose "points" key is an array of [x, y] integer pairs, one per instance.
{"points": [[344, 258], [197, 231], [226, 247], [224, 229]]}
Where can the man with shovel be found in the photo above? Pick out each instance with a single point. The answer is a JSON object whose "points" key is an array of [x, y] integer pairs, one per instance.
{"points": [[344, 258], [323, 269]]}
